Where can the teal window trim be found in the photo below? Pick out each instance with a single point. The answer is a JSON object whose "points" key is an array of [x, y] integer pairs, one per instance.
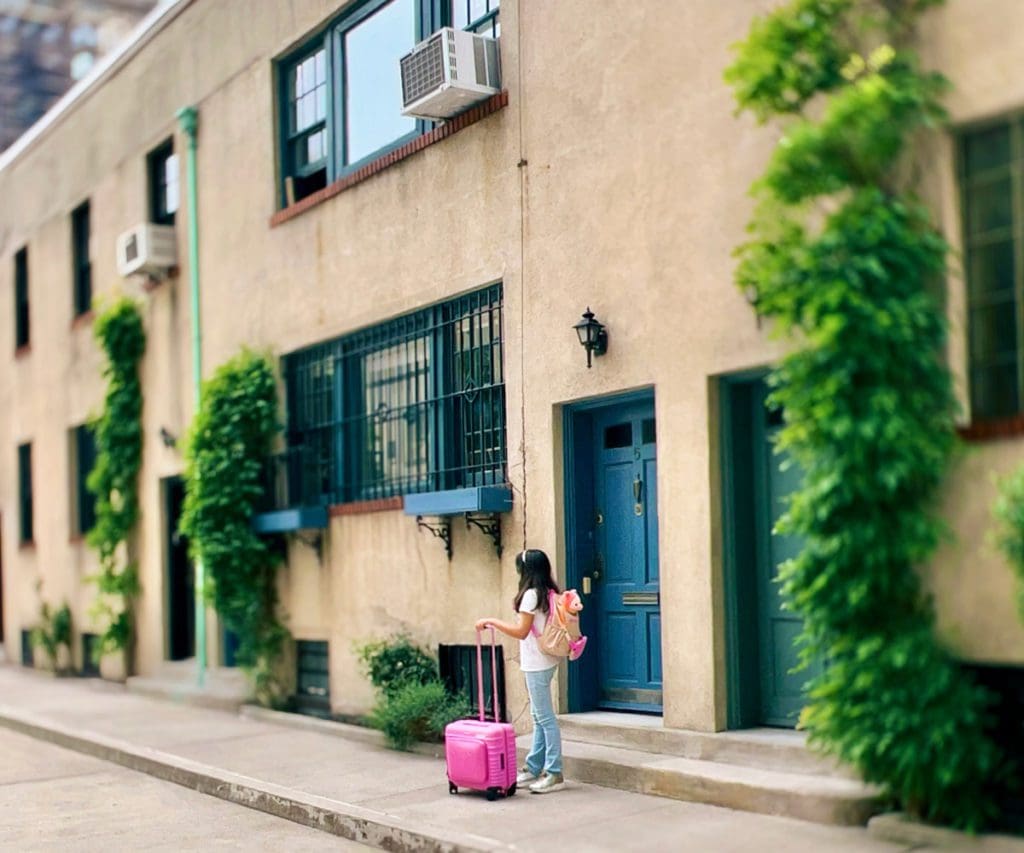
{"points": [[25, 520], [21, 304], [430, 16], [991, 223], [81, 264]]}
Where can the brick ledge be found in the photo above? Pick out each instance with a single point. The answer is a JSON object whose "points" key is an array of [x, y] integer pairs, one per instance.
{"points": [[993, 429], [461, 121], [360, 507]]}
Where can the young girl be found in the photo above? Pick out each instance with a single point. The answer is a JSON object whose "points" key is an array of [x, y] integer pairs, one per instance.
{"points": [[531, 604]]}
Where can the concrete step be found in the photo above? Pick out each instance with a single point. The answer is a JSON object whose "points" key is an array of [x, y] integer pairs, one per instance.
{"points": [[821, 799], [224, 688], [782, 750]]}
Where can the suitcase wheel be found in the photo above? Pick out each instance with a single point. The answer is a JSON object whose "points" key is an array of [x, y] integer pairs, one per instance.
{"points": [[492, 794], [511, 791], [453, 788]]}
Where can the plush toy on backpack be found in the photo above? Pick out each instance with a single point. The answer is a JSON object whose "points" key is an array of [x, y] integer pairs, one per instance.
{"points": [[561, 637]]}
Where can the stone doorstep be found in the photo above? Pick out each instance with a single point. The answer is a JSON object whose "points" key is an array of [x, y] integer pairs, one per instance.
{"points": [[901, 829], [768, 749], [816, 798]]}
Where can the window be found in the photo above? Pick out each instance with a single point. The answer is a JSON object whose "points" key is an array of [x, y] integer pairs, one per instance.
{"points": [[413, 405], [992, 187], [81, 267], [82, 456], [25, 492], [341, 93], [477, 16], [162, 166], [21, 338]]}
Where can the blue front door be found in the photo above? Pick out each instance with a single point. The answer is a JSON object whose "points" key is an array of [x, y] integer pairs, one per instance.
{"points": [[624, 583]]}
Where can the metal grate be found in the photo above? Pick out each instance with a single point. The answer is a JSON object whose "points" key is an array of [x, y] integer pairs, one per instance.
{"points": [[423, 70], [313, 685], [457, 665], [89, 665], [412, 405]]}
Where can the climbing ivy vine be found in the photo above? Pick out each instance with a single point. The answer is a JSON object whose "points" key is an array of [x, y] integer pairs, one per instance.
{"points": [[845, 261], [114, 477], [228, 445]]}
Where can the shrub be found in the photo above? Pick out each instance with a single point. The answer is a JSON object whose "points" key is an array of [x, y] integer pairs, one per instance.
{"points": [[53, 631], [414, 711], [412, 702], [390, 664]]}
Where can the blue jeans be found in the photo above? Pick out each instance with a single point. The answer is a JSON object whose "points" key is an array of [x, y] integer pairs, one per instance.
{"points": [[546, 752]]}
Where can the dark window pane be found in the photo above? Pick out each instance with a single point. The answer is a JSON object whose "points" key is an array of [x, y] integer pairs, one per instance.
{"points": [[374, 88], [994, 391], [21, 310], [649, 435], [25, 491], [990, 269], [989, 206], [987, 149], [620, 435], [993, 331]]}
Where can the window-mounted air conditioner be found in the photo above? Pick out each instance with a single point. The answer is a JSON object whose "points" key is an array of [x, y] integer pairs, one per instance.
{"points": [[449, 72], [148, 249]]}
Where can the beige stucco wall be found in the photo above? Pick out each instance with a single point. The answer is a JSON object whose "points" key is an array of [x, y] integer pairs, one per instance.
{"points": [[631, 199]]}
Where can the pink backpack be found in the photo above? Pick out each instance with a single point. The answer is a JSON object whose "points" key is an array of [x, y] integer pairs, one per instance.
{"points": [[561, 637]]}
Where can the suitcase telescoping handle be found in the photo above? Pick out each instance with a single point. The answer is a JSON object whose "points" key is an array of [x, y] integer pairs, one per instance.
{"points": [[480, 673]]}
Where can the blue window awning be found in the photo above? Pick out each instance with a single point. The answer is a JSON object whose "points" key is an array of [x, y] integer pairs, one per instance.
{"points": [[295, 518], [476, 499]]}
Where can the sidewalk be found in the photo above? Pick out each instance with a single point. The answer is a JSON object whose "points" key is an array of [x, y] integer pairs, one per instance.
{"points": [[350, 785]]}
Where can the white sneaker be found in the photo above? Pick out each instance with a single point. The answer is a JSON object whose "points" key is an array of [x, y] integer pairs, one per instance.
{"points": [[526, 776], [550, 782]]}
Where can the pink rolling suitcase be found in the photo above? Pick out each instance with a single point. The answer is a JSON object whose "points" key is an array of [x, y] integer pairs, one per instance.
{"points": [[481, 755]]}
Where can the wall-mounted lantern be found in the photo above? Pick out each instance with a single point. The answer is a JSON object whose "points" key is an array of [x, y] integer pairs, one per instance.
{"points": [[592, 335]]}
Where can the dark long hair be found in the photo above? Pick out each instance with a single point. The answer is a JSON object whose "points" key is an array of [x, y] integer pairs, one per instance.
{"points": [[534, 573]]}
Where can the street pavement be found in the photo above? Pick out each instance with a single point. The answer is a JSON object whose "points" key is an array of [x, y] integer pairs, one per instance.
{"points": [[338, 779], [55, 799]]}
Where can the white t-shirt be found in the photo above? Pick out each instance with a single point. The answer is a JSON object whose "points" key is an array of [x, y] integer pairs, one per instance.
{"points": [[531, 658]]}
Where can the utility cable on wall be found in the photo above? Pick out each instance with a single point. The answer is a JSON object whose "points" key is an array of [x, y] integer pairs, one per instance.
{"points": [[522, 262]]}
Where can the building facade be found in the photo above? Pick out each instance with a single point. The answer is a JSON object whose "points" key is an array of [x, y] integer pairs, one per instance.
{"points": [[418, 285]]}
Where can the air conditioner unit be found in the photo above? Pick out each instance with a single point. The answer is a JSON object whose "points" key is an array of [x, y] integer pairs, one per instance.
{"points": [[148, 249], [448, 73]]}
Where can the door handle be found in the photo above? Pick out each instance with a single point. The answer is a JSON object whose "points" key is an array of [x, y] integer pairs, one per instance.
{"points": [[638, 488], [586, 585]]}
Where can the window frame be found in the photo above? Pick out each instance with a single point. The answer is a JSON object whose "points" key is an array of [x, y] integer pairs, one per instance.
{"points": [[431, 15], [330, 427], [81, 262], [156, 159], [26, 522], [970, 242], [22, 313]]}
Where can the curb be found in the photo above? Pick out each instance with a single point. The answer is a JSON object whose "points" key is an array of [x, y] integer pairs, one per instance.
{"points": [[349, 821], [901, 829]]}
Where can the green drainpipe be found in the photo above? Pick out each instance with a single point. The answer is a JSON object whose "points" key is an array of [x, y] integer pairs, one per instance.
{"points": [[188, 120]]}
